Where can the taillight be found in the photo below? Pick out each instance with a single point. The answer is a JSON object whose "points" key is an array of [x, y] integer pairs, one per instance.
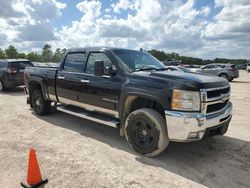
{"points": [[12, 71], [233, 68]]}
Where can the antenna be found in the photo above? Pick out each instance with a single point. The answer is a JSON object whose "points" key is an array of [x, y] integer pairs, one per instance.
{"points": [[128, 38]]}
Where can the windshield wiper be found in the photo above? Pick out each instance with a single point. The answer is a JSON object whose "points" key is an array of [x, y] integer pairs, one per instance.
{"points": [[162, 69], [145, 69]]}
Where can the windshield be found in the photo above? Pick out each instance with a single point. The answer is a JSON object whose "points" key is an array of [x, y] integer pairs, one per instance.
{"points": [[137, 61]]}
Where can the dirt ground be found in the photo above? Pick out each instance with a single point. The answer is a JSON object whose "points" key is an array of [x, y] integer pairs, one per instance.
{"points": [[73, 152]]}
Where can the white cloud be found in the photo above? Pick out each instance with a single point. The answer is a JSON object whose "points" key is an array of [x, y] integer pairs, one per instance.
{"points": [[163, 24], [230, 31], [122, 5], [166, 24], [28, 20], [7, 10], [205, 11]]}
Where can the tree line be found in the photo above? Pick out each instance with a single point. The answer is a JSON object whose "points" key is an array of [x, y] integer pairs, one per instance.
{"points": [[163, 56], [47, 55]]}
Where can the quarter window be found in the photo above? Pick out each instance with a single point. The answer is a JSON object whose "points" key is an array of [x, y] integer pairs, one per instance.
{"points": [[97, 56], [75, 62]]}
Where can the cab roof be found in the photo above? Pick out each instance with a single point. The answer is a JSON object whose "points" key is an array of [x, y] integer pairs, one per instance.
{"points": [[97, 48]]}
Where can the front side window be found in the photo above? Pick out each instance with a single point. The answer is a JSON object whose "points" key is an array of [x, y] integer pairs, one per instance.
{"points": [[75, 62], [97, 56]]}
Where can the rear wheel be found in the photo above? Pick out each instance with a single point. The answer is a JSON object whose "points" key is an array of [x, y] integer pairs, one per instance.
{"points": [[146, 132], [39, 104], [1, 86], [223, 75]]}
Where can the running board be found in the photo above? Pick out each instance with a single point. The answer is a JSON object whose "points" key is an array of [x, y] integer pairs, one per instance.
{"points": [[96, 117]]}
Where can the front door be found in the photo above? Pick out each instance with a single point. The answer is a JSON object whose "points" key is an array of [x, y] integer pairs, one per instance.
{"points": [[101, 93]]}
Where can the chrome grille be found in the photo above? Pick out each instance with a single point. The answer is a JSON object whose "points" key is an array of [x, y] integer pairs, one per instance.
{"points": [[214, 100], [216, 107], [217, 93]]}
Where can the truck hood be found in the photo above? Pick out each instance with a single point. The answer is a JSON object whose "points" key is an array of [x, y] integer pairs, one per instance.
{"points": [[188, 80]]}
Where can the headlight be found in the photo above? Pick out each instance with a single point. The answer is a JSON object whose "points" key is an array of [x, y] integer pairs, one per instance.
{"points": [[185, 100]]}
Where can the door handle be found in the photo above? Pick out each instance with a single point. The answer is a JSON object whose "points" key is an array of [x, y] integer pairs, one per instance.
{"points": [[85, 81], [61, 77]]}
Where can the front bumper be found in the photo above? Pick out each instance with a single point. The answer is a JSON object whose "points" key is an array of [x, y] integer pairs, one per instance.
{"points": [[184, 126]]}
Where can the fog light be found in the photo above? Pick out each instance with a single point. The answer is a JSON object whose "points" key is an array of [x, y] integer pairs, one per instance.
{"points": [[201, 134], [193, 135]]}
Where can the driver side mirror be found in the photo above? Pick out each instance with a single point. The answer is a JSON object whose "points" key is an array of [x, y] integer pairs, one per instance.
{"points": [[99, 68]]}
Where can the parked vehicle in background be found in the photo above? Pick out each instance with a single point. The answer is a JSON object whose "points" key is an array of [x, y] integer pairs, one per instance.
{"points": [[132, 91], [193, 66], [226, 71], [12, 72], [248, 67], [241, 66], [171, 62], [178, 68], [182, 69]]}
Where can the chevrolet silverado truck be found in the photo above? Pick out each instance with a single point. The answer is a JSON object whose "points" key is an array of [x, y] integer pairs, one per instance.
{"points": [[134, 92]]}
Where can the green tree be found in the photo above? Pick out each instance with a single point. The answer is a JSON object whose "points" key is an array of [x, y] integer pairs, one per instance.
{"points": [[57, 55], [33, 56], [2, 54], [22, 55], [46, 53], [11, 52]]}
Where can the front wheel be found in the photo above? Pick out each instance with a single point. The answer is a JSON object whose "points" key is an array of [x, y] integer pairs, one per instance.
{"points": [[39, 104], [146, 132]]}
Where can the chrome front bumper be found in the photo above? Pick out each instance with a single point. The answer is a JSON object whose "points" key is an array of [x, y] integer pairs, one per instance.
{"points": [[184, 126]]}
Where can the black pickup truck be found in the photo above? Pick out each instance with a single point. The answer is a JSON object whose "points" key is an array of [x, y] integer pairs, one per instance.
{"points": [[133, 91]]}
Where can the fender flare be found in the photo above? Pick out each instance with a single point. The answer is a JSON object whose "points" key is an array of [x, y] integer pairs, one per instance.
{"points": [[123, 100], [40, 81]]}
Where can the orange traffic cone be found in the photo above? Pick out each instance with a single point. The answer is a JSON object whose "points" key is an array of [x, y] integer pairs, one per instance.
{"points": [[34, 177]]}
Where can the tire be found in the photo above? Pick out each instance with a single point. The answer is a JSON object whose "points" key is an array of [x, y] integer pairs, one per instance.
{"points": [[230, 80], [146, 132], [39, 104], [223, 75], [2, 88]]}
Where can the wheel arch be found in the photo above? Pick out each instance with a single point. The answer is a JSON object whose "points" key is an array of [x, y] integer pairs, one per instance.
{"points": [[36, 83], [135, 101]]}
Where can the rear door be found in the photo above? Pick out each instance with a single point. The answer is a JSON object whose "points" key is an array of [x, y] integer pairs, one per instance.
{"points": [[210, 69], [100, 93], [69, 76]]}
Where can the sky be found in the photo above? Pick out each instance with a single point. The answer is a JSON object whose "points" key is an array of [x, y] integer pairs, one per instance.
{"points": [[200, 28]]}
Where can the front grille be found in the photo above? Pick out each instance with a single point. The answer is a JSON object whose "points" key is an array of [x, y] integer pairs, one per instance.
{"points": [[217, 93], [216, 107]]}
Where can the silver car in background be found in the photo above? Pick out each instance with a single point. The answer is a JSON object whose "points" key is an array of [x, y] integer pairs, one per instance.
{"points": [[248, 67], [227, 71]]}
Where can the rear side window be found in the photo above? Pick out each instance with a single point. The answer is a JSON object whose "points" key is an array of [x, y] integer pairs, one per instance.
{"points": [[20, 65], [75, 62], [97, 56]]}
